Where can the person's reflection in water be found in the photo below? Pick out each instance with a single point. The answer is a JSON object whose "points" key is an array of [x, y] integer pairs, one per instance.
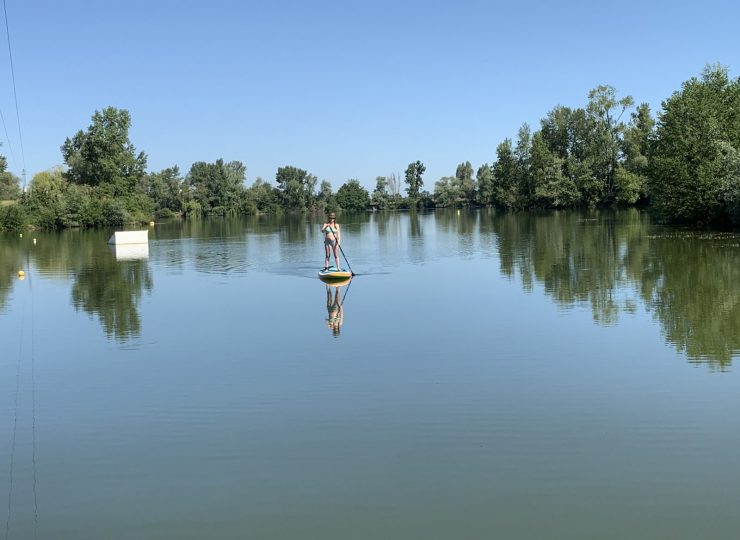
{"points": [[335, 310]]}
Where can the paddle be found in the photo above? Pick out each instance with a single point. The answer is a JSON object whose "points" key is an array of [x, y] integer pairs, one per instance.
{"points": [[345, 260]]}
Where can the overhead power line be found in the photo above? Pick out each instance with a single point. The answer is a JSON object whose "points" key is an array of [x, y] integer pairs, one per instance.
{"points": [[10, 146], [15, 94]]}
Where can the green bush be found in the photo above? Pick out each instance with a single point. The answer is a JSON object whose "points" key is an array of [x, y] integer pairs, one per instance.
{"points": [[193, 208], [138, 208], [352, 196], [694, 156], [165, 213], [628, 186], [729, 175], [114, 213], [80, 209], [12, 218]]}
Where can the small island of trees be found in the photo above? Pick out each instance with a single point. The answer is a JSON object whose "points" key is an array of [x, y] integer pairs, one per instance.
{"points": [[684, 166]]}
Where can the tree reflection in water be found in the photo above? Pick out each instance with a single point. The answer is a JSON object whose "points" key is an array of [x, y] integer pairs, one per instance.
{"points": [[692, 285], [111, 289], [614, 260], [11, 261]]}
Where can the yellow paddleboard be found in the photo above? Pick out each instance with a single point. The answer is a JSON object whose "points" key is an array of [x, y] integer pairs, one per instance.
{"points": [[333, 275]]}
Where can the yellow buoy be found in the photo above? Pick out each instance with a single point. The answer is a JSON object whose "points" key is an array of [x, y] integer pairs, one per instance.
{"points": [[21, 274], [151, 224]]}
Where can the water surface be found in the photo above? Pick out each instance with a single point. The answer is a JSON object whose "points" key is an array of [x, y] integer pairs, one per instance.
{"points": [[567, 375]]}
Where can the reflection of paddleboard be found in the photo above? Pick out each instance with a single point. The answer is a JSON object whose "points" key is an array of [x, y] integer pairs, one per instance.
{"points": [[334, 275], [337, 282]]}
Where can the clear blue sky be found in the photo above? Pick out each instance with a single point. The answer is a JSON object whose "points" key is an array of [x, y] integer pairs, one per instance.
{"points": [[343, 89]]}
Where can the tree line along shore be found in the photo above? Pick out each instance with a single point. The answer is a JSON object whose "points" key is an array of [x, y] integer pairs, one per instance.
{"points": [[683, 165]]}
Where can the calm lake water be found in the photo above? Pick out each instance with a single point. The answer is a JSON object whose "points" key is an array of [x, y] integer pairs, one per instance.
{"points": [[560, 376]]}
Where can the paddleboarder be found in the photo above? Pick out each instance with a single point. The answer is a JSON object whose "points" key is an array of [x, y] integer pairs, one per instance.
{"points": [[332, 238]]}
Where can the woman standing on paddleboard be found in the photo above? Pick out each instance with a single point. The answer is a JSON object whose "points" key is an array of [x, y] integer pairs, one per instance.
{"points": [[332, 237]]}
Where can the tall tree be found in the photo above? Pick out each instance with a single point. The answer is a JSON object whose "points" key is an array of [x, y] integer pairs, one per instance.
{"points": [[523, 154], [484, 180], [325, 191], [605, 112], [505, 176], [697, 133], [103, 154], [464, 176], [9, 183], [448, 192], [557, 132], [552, 188], [729, 177], [394, 185], [165, 188], [352, 196], [631, 178], [414, 180], [265, 196], [379, 196], [297, 187], [217, 187]]}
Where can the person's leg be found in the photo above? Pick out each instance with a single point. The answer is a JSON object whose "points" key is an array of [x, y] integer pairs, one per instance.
{"points": [[336, 255], [328, 252]]}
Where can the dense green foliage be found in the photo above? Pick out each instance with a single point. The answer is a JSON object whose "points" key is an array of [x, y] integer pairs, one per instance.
{"points": [[631, 179], [386, 194], [606, 153], [12, 217], [578, 157], [414, 181], [459, 190], [165, 188], [215, 188], [262, 197], [352, 196], [103, 155], [695, 160], [54, 202], [9, 183], [297, 187], [448, 192]]}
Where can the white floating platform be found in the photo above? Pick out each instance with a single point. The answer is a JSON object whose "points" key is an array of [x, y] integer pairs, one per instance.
{"points": [[130, 252], [120, 238]]}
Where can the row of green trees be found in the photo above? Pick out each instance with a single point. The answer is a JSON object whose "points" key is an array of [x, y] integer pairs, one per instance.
{"points": [[694, 166], [105, 183], [579, 157], [686, 167]]}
